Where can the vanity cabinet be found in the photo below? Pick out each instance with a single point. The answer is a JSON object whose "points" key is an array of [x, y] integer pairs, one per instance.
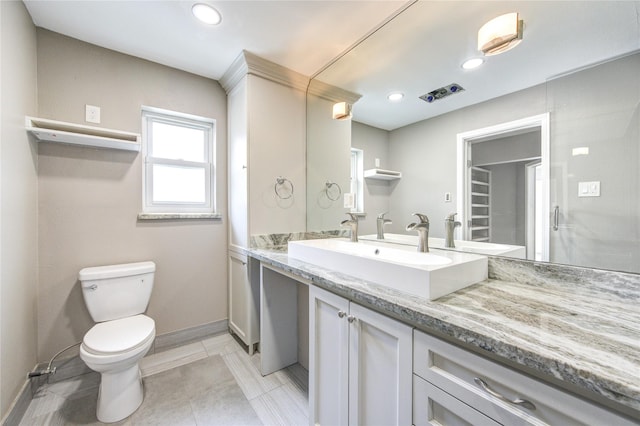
{"points": [[359, 364], [453, 386]]}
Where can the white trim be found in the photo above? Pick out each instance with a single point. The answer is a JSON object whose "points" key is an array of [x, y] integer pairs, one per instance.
{"points": [[464, 141]]}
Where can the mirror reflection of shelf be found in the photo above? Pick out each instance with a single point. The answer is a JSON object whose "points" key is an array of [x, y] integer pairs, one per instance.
{"points": [[45, 130], [480, 222], [382, 174]]}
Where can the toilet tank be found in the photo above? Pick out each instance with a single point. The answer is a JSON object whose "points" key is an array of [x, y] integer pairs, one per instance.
{"points": [[117, 291]]}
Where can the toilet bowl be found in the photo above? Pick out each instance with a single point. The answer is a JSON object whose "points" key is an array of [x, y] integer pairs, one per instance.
{"points": [[114, 348], [116, 297]]}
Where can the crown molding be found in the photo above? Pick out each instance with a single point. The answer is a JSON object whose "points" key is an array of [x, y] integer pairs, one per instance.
{"points": [[249, 64], [331, 93]]}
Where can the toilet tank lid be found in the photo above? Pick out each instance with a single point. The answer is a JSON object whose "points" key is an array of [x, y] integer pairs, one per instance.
{"points": [[112, 271]]}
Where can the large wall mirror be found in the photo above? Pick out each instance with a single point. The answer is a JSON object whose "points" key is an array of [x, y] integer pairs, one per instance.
{"points": [[551, 127]]}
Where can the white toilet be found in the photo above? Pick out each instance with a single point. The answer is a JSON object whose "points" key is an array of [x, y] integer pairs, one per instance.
{"points": [[117, 296]]}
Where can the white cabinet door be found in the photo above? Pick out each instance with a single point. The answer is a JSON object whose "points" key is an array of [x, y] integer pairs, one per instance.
{"points": [[328, 358], [243, 315], [360, 364], [380, 369]]}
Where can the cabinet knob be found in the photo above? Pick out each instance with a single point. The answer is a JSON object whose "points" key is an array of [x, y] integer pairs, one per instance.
{"points": [[342, 314], [351, 318], [521, 402]]}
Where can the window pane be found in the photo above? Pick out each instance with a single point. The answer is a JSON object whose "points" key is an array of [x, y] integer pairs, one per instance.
{"points": [[177, 142], [178, 184]]}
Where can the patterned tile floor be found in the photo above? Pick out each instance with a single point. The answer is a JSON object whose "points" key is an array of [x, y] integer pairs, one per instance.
{"points": [[211, 382]]}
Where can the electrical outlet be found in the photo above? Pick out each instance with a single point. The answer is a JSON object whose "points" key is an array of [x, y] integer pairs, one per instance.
{"points": [[92, 114], [377, 162]]}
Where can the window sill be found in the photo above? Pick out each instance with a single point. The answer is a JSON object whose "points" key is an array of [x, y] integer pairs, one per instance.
{"points": [[179, 216]]}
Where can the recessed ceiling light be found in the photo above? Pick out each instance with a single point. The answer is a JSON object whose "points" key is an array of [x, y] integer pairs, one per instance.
{"points": [[395, 97], [472, 63], [206, 14]]}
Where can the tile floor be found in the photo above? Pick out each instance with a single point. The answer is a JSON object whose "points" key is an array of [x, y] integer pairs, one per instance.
{"points": [[211, 382]]}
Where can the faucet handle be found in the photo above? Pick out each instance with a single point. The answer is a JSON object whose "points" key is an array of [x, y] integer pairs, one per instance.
{"points": [[451, 216], [423, 217], [381, 215], [353, 216]]}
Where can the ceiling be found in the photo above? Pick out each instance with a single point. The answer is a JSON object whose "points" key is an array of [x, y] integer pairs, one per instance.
{"points": [[418, 51], [300, 35], [422, 49]]}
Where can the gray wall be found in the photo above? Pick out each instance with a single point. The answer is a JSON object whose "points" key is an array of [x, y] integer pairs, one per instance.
{"points": [[598, 107], [425, 153], [375, 144], [18, 202], [510, 148], [508, 190], [89, 198]]}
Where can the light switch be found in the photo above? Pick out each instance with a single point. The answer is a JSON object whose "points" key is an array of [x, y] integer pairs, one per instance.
{"points": [[589, 189], [92, 114], [447, 197], [349, 201]]}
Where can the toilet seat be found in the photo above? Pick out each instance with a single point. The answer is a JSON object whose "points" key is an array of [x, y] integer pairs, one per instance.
{"points": [[115, 337]]}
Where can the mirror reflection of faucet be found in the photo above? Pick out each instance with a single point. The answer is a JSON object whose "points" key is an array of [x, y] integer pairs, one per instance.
{"points": [[381, 221], [422, 228], [352, 224], [450, 224]]}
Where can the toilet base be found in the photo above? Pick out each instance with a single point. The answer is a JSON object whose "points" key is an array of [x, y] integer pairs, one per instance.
{"points": [[120, 394]]}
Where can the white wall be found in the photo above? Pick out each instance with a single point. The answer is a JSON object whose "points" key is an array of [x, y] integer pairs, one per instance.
{"points": [[18, 202], [89, 198]]}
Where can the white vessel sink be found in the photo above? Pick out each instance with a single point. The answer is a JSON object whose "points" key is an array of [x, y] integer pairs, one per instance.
{"points": [[489, 249], [429, 275]]}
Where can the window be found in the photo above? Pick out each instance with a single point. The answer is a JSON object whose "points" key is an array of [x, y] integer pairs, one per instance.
{"points": [[357, 180], [179, 167]]}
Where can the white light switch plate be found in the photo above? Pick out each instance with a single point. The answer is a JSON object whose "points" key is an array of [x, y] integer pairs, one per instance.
{"points": [[349, 201], [92, 114], [589, 189]]}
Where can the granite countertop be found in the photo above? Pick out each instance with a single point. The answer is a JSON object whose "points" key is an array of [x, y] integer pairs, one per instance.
{"points": [[573, 326]]}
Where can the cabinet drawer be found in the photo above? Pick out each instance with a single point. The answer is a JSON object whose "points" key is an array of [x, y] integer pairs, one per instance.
{"points": [[455, 371], [432, 406]]}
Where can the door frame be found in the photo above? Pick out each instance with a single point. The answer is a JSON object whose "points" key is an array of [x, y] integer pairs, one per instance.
{"points": [[464, 141]]}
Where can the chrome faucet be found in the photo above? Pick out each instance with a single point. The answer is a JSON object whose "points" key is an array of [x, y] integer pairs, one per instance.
{"points": [[450, 225], [381, 221], [353, 226], [423, 232]]}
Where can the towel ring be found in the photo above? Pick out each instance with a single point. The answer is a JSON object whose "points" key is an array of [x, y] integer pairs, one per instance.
{"points": [[281, 185], [327, 189]]}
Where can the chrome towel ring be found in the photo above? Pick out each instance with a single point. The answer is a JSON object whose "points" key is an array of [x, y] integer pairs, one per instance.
{"points": [[283, 188], [332, 190]]}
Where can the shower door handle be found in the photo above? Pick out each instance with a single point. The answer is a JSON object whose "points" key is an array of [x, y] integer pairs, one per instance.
{"points": [[556, 217]]}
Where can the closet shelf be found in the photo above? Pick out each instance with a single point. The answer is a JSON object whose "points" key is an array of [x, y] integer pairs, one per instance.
{"points": [[45, 130], [382, 174]]}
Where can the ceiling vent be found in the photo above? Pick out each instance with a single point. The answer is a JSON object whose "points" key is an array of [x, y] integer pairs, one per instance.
{"points": [[442, 92]]}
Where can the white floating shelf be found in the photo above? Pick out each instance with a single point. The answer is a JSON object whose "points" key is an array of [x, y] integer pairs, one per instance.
{"points": [[382, 174], [45, 130]]}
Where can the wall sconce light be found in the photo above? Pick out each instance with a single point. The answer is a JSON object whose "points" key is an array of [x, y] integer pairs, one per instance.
{"points": [[500, 34], [342, 111]]}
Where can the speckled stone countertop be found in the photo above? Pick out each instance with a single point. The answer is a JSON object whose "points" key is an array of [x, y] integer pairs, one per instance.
{"points": [[576, 327]]}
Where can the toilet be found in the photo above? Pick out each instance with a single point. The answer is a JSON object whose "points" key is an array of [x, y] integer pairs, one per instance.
{"points": [[117, 297]]}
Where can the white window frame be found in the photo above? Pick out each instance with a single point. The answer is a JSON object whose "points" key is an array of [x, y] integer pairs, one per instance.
{"points": [[357, 180], [151, 115]]}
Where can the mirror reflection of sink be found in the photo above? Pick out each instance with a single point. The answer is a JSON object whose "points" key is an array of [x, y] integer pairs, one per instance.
{"points": [[429, 275], [489, 249]]}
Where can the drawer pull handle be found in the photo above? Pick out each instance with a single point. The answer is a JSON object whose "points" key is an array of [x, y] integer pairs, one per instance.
{"points": [[521, 402]]}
